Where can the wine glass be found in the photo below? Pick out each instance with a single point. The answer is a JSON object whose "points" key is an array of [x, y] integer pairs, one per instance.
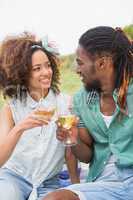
{"points": [[45, 111], [67, 121]]}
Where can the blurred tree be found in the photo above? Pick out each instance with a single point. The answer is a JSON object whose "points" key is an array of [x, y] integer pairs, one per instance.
{"points": [[129, 31], [67, 61]]}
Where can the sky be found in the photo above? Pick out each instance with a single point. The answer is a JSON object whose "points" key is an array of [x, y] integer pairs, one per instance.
{"points": [[64, 21]]}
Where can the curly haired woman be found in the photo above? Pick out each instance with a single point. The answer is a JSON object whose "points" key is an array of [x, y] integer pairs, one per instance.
{"points": [[30, 159]]}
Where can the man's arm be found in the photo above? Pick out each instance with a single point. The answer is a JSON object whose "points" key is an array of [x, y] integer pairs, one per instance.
{"points": [[72, 165], [84, 149]]}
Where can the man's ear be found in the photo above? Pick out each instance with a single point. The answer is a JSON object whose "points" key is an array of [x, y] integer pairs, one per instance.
{"points": [[102, 63]]}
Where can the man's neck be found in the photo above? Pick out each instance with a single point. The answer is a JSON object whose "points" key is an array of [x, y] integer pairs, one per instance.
{"points": [[107, 103], [108, 86]]}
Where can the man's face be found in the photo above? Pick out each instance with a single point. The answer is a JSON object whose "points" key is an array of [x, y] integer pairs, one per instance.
{"points": [[86, 68]]}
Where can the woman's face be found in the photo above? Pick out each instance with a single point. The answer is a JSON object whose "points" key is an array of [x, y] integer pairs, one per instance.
{"points": [[41, 73]]}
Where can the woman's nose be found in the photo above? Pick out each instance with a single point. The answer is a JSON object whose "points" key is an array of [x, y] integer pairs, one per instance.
{"points": [[44, 70]]}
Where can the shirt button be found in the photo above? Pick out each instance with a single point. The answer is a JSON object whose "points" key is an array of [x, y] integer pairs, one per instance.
{"points": [[104, 162], [112, 145], [130, 115]]}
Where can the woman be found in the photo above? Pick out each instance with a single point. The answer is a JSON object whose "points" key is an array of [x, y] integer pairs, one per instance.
{"points": [[31, 156]]}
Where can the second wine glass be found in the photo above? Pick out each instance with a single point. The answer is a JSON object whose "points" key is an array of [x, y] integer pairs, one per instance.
{"points": [[67, 121]]}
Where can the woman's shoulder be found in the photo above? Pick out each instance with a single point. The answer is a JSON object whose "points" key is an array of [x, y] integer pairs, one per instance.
{"points": [[5, 112], [17, 102]]}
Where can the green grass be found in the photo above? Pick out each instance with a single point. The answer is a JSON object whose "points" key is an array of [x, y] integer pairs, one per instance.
{"points": [[70, 82]]}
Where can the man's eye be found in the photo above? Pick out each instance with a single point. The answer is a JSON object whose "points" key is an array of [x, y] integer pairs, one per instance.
{"points": [[79, 63]]}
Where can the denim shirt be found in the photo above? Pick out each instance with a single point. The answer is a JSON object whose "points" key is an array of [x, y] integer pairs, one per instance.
{"points": [[116, 140]]}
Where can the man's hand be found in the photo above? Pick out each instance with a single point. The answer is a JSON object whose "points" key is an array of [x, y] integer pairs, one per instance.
{"points": [[62, 132]]}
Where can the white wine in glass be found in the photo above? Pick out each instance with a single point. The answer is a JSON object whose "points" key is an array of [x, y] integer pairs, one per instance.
{"points": [[66, 122]]}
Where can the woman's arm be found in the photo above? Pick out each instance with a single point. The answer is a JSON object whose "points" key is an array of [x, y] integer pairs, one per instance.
{"points": [[11, 133]]}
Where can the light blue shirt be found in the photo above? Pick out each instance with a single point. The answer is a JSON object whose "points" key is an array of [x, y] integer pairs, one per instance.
{"points": [[37, 157]]}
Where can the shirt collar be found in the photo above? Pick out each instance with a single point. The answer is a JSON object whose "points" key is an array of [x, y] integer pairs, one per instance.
{"points": [[33, 104], [92, 96]]}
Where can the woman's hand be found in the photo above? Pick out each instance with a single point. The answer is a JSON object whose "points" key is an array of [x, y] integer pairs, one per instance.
{"points": [[31, 121]]}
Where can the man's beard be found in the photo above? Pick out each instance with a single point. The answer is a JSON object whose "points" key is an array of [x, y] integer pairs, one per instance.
{"points": [[95, 85]]}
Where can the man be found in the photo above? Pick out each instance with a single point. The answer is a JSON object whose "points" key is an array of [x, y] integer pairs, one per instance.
{"points": [[104, 107]]}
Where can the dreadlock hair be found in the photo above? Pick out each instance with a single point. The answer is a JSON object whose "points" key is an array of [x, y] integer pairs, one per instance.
{"points": [[104, 40]]}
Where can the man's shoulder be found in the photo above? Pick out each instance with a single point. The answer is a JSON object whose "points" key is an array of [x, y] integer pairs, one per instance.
{"points": [[81, 94], [86, 96], [130, 87]]}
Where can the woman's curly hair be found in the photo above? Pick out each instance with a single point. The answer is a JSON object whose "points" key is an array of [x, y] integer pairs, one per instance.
{"points": [[15, 64]]}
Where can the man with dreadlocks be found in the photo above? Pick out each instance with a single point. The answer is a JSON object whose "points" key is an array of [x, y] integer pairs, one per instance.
{"points": [[105, 110]]}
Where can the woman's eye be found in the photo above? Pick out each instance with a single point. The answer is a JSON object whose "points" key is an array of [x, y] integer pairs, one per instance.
{"points": [[49, 64], [36, 69], [41, 66]]}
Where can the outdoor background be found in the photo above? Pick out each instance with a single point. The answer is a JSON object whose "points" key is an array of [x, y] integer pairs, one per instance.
{"points": [[64, 21], [70, 81]]}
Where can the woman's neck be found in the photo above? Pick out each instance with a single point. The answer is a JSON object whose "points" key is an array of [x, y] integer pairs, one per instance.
{"points": [[37, 95]]}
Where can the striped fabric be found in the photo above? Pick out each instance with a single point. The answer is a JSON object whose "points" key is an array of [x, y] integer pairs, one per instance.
{"points": [[91, 98]]}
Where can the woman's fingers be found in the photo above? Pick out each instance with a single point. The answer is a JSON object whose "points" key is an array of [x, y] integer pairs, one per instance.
{"points": [[39, 119]]}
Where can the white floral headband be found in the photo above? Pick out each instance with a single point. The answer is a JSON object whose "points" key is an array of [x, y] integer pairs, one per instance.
{"points": [[50, 46]]}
